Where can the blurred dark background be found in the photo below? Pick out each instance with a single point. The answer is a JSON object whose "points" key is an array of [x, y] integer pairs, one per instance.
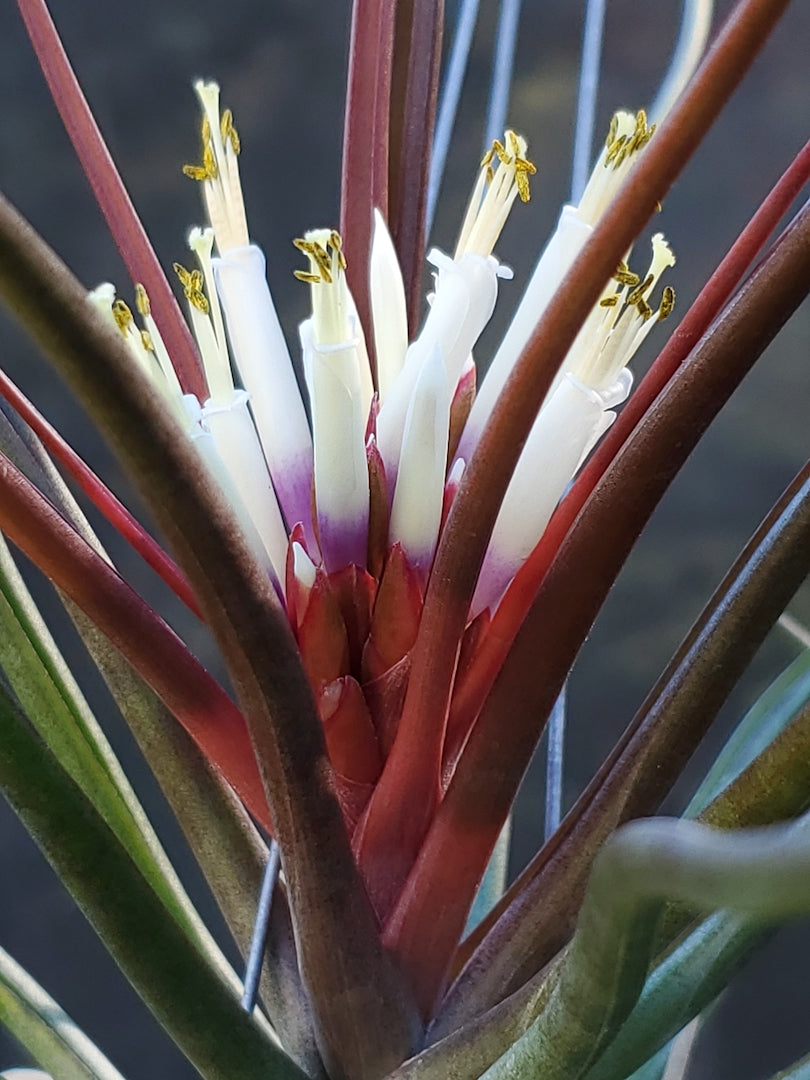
{"points": [[281, 65]]}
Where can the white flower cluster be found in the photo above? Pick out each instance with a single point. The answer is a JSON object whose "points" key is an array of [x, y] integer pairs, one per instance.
{"points": [[276, 468]]}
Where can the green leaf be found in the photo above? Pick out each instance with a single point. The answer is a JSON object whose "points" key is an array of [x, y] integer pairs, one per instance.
{"points": [[679, 988], [48, 1033], [764, 873], [51, 698], [493, 886], [188, 996], [219, 831], [766, 719]]}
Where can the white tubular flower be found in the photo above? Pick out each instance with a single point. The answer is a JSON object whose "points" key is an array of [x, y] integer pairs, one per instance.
{"points": [[238, 446], [263, 361], [576, 414], [553, 451], [236, 280], [332, 363], [145, 345], [628, 136], [388, 309], [206, 444], [417, 508], [466, 289]]}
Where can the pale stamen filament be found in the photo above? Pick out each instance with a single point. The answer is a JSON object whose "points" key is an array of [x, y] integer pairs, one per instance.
{"points": [[219, 171], [494, 193]]}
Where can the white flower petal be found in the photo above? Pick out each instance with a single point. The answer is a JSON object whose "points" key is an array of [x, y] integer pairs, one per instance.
{"points": [[417, 507], [238, 446], [388, 310], [561, 434], [263, 361]]}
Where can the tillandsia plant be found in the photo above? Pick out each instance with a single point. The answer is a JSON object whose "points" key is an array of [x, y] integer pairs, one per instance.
{"points": [[399, 567]]}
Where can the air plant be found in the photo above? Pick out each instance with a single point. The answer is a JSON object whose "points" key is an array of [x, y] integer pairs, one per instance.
{"points": [[399, 569]]}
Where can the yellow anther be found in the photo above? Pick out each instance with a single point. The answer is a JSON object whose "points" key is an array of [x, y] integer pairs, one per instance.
{"points": [[667, 303], [609, 301], [195, 172], [142, 301], [643, 309], [192, 282], [637, 294], [500, 152], [612, 130], [146, 341], [310, 279], [208, 169], [336, 243], [122, 315], [229, 132], [625, 276], [523, 170], [487, 158]]}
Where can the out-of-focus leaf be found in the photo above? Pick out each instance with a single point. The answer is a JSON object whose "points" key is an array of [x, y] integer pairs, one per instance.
{"points": [[224, 840], [185, 992], [47, 1033], [44, 686], [764, 873], [769, 716], [679, 988]]}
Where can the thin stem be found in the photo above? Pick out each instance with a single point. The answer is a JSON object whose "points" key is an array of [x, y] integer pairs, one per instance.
{"points": [[112, 197], [695, 25], [364, 183], [448, 103], [555, 756], [253, 969], [502, 71], [414, 92], [587, 96]]}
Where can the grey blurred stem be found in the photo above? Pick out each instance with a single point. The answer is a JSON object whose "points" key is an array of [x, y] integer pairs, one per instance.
{"points": [[502, 71], [253, 968]]}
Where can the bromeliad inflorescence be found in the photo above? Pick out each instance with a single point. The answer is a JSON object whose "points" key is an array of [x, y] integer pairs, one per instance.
{"points": [[399, 567], [346, 518]]}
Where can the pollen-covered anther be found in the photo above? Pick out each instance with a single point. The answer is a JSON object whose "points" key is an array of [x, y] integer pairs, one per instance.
{"points": [[494, 193], [620, 144], [219, 171], [122, 315], [208, 169], [667, 303], [229, 132], [636, 295], [192, 282], [142, 301], [625, 276]]}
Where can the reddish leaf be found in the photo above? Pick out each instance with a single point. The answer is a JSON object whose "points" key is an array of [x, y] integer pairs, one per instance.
{"points": [[350, 735], [395, 619], [378, 509]]}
